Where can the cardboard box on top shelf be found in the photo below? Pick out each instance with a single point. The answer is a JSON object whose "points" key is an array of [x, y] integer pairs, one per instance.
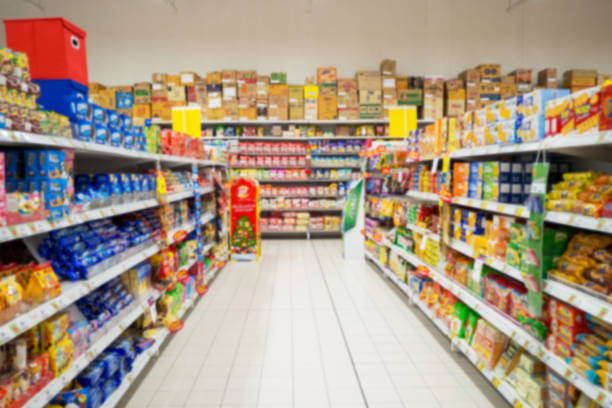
{"points": [[173, 80], [142, 92], [390, 98], [311, 108], [508, 79], [472, 92], [247, 102], [490, 72], [388, 83], [415, 82], [348, 113], [247, 90], [278, 107], [159, 78], [547, 78], [228, 76], [328, 89], [370, 97], [388, 67], [262, 112], [401, 82], [247, 113], [348, 99], [471, 77], [141, 110], [189, 78], [177, 94], [410, 97], [472, 104], [215, 114], [327, 75], [95, 87], [296, 112], [279, 89], [191, 94], [213, 77], [230, 92], [328, 107], [311, 91], [457, 94], [523, 88], [278, 77], [453, 84], [230, 111], [124, 98], [507, 90], [248, 76], [369, 80], [433, 106], [602, 78], [374, 111], [522, 75], [433, 85], [162, 110], [296, 95], [579, 78], [347, 84], [159, 92], [106, 98], [455, 107]]}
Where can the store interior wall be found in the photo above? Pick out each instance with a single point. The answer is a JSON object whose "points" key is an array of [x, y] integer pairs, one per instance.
{"points": [[127, 40]]}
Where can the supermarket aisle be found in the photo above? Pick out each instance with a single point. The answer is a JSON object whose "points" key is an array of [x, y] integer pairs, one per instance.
{"points": [[268, 335]]}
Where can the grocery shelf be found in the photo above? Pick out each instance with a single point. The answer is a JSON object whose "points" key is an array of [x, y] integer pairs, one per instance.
{"points": [[31, 140], [305, 139], [309, 209], [579, 299], [506, 390], [270, 167], [424, 232], [29, 229], [268, 154], [311, 180], [268, 232], [335, 167], [423, 196], [300, 196], [562, 144], [103, 338], [494, 263], [262, 122], [555, 217], [324, 154]]}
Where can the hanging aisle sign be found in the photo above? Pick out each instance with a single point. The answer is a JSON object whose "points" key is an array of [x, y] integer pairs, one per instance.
{"points": [[245, 241]]}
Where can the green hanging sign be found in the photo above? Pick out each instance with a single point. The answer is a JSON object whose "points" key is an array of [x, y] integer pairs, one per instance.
{"points": [[352, 207], [532, 267]]}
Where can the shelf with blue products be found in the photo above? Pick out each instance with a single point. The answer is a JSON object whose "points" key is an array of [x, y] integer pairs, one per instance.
{"points": [[263, 122]]}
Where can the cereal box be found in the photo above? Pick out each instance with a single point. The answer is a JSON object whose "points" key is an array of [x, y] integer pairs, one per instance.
{"points": [[586, 109]]}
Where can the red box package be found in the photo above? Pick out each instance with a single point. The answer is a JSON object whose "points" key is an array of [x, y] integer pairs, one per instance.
{"points": [[605, 116], [587, 106]]}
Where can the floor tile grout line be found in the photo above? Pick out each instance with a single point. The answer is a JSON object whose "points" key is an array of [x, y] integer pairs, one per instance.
{"points": [[357, 309], [316, 326], [348, 350]]}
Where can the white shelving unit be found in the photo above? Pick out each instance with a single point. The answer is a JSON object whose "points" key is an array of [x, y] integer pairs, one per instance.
{"points": [[262, 122]]}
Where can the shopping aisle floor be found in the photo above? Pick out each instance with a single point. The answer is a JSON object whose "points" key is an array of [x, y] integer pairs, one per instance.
{"points": [[304, 328]]}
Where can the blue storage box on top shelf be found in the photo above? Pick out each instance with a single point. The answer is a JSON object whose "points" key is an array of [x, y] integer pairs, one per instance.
{"points": [[55, 94]]}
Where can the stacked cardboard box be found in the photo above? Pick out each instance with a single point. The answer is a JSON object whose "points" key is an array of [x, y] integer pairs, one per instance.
{"points": [[230, 94], [142, 100], [455, 97], [471, 79], [197, 96], [409, 90], [101, 95], [278, 101], [348, 101], [327, 79], [433, 97], [547, 78], [311, 97], [522, 81], [389, 89], [370, 94], [296, 102], [263, 83], [578, 79], [214, 95], [247, 94], [124, 99], [490, 80]]}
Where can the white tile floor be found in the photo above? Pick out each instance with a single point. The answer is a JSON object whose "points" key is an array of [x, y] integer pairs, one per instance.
{"points": [[304, 328]]}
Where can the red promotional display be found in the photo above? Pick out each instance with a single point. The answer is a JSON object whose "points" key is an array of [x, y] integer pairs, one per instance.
{"points": [[244, 220], [55, 47]]}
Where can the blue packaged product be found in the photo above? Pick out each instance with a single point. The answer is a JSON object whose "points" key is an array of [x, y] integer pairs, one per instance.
{"points": [[113, 119], [517, 173], [33, 186], [79, 398], [98, 115], [126, 185], [504, 172], [20, 186], [128, 140], [101, 135], [31, 164], [534, 102], [82, 130], [126, 122], [78, 108], [475, 171], [14, 164], [49, 164], [92, 374], [116, 187], [504, 193], [516, 194], [57, 213], [531, 129], [2, 121], [141, 344], [107, 388], [115, 137], [124, 100]]}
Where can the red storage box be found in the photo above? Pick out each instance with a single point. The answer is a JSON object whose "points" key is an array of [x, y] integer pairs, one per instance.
{"points": [[55, 47]]}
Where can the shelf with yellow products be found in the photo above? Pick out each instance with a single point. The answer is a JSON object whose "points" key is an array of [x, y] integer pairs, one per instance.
{"points": [[507, 391], [511, 329]]}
